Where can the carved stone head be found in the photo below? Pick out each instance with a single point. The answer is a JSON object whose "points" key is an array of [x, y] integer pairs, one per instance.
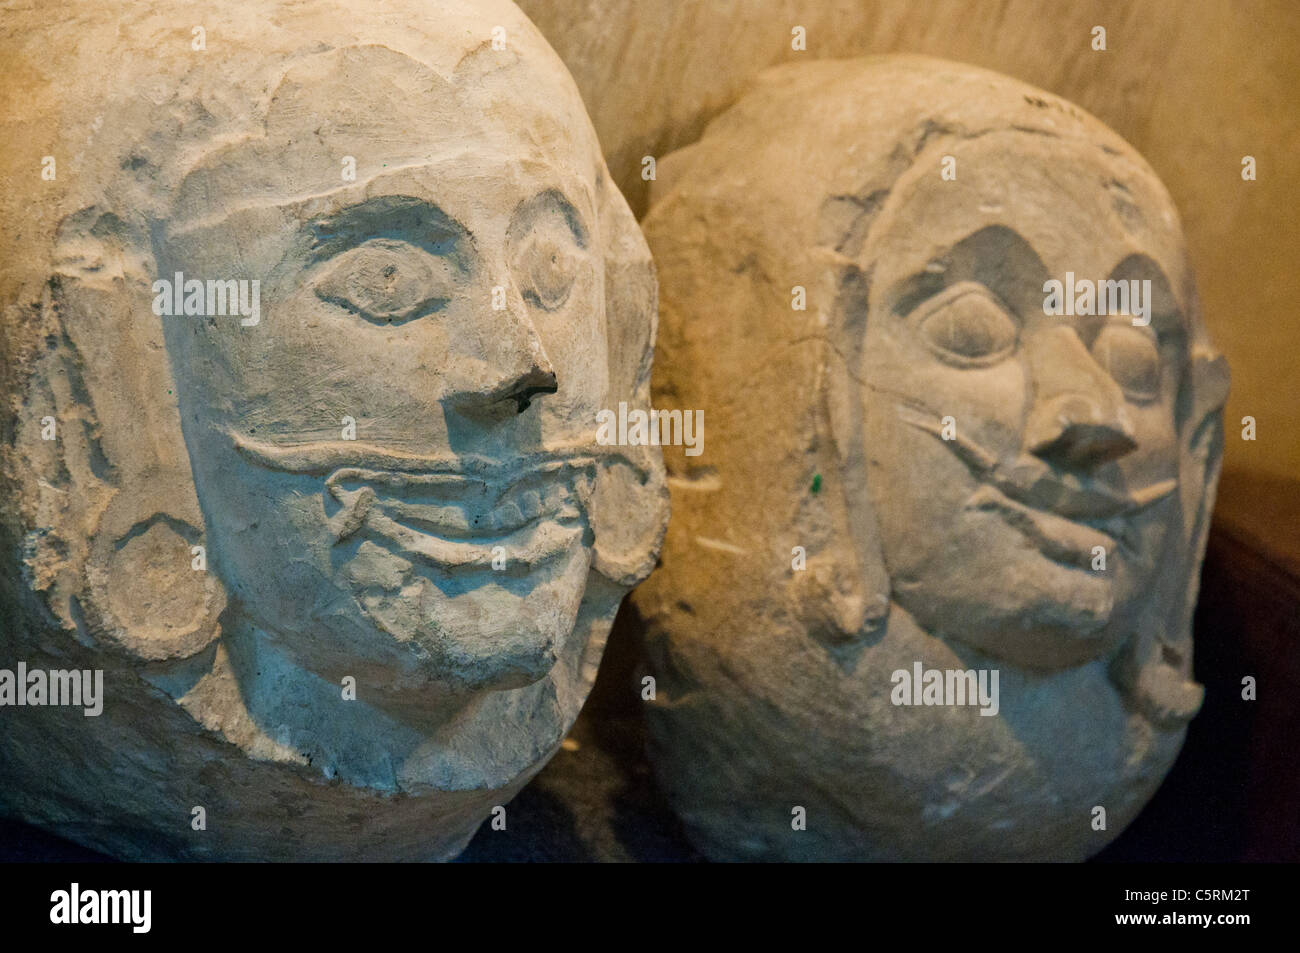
{"points": [[323, 306], [872, 275]]}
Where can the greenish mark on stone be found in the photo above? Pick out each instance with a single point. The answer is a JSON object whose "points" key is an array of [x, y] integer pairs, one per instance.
{"points": [[817, 482]]}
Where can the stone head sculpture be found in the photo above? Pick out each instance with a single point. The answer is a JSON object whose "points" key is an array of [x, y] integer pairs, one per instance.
{"points": [[322, 302], [872, 278]]}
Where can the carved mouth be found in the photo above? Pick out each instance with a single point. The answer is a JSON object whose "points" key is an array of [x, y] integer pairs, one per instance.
{"points": [[1063, 540], [463, 522], [459, 513], [1065, 515]]}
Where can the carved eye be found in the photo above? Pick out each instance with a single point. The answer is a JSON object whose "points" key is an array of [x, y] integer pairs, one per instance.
{"points": [[386, 281], [546, 267], [1132, 358], [966, 326]]}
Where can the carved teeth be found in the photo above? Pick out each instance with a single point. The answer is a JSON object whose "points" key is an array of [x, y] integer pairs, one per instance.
{"points": [[530, 503], [507, 516], [353, 514], [462, 519]]}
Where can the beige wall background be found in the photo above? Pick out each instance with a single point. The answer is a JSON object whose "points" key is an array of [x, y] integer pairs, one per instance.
{"points": [[1194, 85]]}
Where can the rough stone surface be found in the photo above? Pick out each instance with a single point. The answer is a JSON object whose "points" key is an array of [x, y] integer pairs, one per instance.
{"points": [[391, 467], [965, 550]]}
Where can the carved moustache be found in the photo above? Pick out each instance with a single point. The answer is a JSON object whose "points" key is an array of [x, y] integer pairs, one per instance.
{"points": [[449, 512]]}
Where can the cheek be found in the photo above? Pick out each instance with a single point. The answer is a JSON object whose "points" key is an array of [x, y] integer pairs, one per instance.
{"points": [[260, 523], [575, 341], [987, 404], [1156, 456], [919, 483], [313, 362]]}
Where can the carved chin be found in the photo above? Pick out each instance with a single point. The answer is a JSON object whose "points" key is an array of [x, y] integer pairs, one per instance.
{"points": [[489, 630], [1051, 629], [1022, 606]]}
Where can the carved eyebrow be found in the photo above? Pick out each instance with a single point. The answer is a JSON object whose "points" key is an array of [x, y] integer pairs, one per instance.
{"points": [[995, 256], [550, 201], [401, 217], [1166, 316]]}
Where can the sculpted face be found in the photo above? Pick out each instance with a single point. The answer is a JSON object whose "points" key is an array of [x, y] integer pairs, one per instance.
{"points": [[919, 474], [1065, 442], [453, 307], [384, 447]]}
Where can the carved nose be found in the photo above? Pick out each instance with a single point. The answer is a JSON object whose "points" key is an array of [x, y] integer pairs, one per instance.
{"points": [[510, 369], [538, 380], [1075, 432], [1078, 421], [512, 392]]}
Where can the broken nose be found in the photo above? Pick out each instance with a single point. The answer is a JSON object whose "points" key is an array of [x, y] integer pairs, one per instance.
{"points": [[540, 382], [1072, 431]]}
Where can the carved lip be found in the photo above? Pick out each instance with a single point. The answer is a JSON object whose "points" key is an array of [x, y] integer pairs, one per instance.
{"points": [[322, 457], [449, 512], [1036, 484], [1064, 514], [1061, 539], [456, 521]]}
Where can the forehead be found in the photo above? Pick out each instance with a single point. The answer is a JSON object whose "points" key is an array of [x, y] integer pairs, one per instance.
{"points": [[1079, 207], [478, 191], [353, 115]]}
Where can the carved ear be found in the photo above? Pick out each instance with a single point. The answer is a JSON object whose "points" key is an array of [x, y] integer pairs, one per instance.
{"points": [[631, 297], [630, 504], [1201, 459], [123, 449], [148, 589], [867, 595], [1159, 670]]}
